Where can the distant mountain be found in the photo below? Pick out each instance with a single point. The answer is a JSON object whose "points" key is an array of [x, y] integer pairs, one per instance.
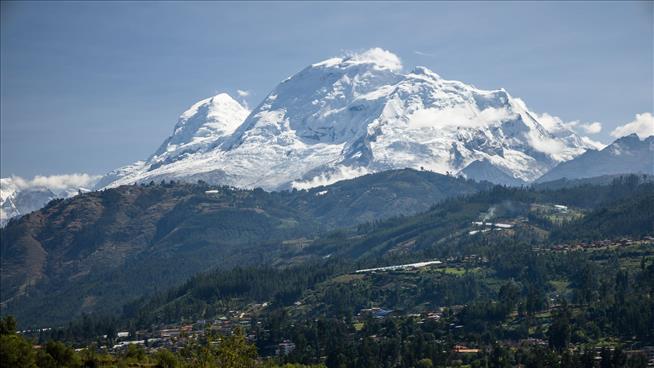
{"points": [[95, 251], [628, 154], [19, 196], [345, 117], [24, 201]]}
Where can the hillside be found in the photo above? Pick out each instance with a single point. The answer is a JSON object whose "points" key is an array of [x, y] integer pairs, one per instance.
{"points": [[506, 284], [98, 250], [474, 277]]}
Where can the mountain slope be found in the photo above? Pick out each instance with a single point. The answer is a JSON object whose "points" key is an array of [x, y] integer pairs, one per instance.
{"points": [[439, 233], [625, 155], [94, 252], [345, 117], [484, 170]]}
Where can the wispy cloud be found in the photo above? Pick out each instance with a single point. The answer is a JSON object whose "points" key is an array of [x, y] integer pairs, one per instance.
{"points": [[242, 93], [377, 56], [422, 53], [591, 128], [338, 174], [556, 126], [455, 117], [554, 123], [643, 126]]}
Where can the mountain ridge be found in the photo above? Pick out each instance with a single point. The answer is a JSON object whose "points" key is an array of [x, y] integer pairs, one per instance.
{"points": [[345, 117], [628, 154]]}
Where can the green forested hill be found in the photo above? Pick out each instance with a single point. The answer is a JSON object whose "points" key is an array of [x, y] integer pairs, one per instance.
{"points": [[528, 278], [328, 284], [96, 251]]}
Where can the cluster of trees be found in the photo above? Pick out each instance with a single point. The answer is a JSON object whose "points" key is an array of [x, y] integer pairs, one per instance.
{"points": [[402, 342], [510, 296]]}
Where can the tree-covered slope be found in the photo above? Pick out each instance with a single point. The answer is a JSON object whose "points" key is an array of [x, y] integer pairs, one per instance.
{"points": [[96, 251]]}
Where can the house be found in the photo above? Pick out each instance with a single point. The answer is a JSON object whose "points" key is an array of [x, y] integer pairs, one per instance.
{"points": [[169, 332], [381, 313], [285, 347], [462, 349]]}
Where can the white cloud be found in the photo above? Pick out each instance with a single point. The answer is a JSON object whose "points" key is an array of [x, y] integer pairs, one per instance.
{"points": [[379, 57], [457, 117], [591, 128], [421, 53], [56, 183], [60, 182], [552, 147], [561, 129], [338, 174], [551, 123], [555, 124], [242, 93], [643, 126]]}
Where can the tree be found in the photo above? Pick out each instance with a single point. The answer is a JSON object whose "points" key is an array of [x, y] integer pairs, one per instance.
{"points": [[235, 352], [508, 296], [56, 354], [8, 325], [559, 332], [425, 363], [500, 357], [15, 351], [166, 359]]}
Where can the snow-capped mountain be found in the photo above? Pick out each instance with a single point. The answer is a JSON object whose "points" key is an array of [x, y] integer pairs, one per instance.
{"points": [[348, 116], [19, 196], [625, 155], [199, 129]]}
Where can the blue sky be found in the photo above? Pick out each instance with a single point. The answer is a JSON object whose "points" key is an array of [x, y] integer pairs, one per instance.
{"points": [[88, 87]]}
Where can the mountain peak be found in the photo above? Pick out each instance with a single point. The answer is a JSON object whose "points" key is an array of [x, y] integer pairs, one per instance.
{"points": [[633, 137], [421, 70], [347, 116], [202, 126], [213, 103]]}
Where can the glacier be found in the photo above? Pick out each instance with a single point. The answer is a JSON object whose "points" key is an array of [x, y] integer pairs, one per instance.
{"points": [[352, 115]]}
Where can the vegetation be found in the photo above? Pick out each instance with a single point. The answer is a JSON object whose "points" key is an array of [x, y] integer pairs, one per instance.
{"points": [[213, 351], [530, 277], [106, 248]]}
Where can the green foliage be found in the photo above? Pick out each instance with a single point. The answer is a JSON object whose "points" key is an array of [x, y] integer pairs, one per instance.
{"points": [[8, 325], [166, 359], [498, 286], [17, 352], [560, 332]]}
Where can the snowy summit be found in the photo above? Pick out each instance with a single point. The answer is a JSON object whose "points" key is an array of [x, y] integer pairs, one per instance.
{"points": [[353, 115]]}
